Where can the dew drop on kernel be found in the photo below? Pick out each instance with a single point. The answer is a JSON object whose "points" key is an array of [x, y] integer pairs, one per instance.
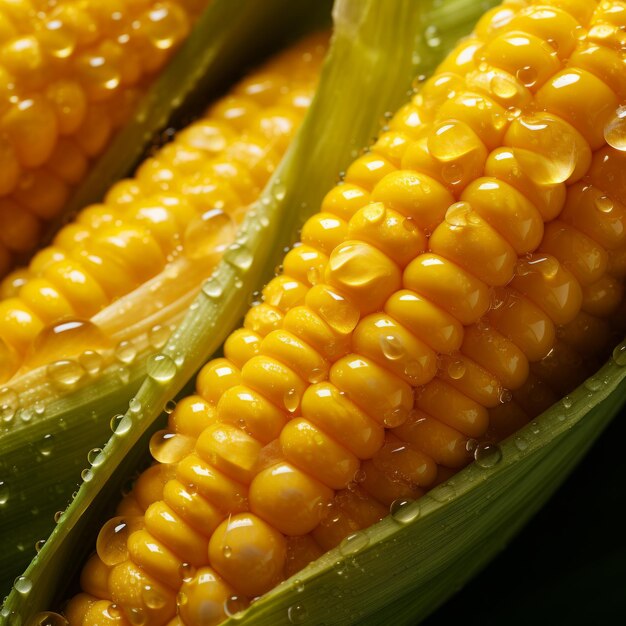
{"points": [[161, 368], [391, 347], [456, 369], [291, 400], [604, 204], [354, 543], [186, 571], [234, 605], [167, 447], [297, 614], [227, 551], [527, 75], [487, 455], [111, 544], [153, 598], [615, 130], [452, 173], [404, 510]]}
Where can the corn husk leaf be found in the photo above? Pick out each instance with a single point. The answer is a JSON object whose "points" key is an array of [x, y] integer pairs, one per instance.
{"points": [[368, 62]]}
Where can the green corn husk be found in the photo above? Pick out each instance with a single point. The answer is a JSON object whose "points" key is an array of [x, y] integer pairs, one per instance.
{"points": [[400, 570]]}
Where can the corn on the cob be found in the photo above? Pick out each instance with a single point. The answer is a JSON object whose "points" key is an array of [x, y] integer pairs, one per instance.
{"points": [[415, 302], [183, 202], [70, 73]]}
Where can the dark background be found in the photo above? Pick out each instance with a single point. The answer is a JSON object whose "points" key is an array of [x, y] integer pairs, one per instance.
{"points": [[568, 566]]}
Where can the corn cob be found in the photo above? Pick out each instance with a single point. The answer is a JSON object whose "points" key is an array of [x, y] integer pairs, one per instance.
{"points": [[70, 73], [336, 340], [183, 205]]}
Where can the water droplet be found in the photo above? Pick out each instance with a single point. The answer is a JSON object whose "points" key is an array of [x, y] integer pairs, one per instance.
{"points": [[227, 551], [298, 585], [458, 214], [209, 234], [297, 614], [404, 510], [4, 493], [123, 373], [57, 516], [314, 275], [374, 213], [512, 113], [567, 402], [65, 373], [186, 571], [161, 368], [521, 444], [527, 75], [410, 224], [121, 424], [615, 130], [152, 597], [39, 545], [234, 605], [170, 405], [67, 338], [46, 445], [391, 346], [39, 407], [291, 400], [432, 36], [487, 455], [137, 616], [279, 191], [452, 173], [340, 314], [9, 404], [158, 336], [354, 543], [48, 618], [167, 447], [593, 383], [212, 288], [553, 158], [395, 417], [239, 256], [604, 204], [505, 396], [91, 361], [86, 475], [95, 457], [134, 405], [23, 585], [619, 354], [111, 544], [444, 492], [456, 369], [125, 352], [503, 86]]}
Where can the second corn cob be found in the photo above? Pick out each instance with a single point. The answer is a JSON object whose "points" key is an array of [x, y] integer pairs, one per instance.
{"points": [[182, 206], [304, 335], [70, 74]]}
